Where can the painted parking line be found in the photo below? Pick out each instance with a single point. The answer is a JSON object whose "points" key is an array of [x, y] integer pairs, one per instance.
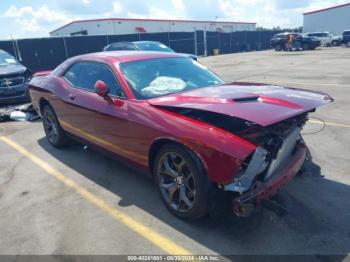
{"points": [[328, 123], [154, 237]]}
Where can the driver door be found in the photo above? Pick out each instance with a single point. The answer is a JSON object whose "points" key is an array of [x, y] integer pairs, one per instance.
{"points": [[100, 120]]}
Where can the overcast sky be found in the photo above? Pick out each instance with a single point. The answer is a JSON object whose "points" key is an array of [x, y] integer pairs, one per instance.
{"points": [[33, 18]]}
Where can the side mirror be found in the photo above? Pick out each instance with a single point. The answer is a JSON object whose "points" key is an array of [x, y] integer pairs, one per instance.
{"points": [[101, 88]]}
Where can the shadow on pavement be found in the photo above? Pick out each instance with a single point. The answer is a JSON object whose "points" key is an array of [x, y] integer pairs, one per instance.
{"points": [[317, 222]]}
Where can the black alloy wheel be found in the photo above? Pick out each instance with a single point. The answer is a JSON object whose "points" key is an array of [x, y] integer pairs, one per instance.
{"points": [[54, 133], [181, 181], [278, 47]]}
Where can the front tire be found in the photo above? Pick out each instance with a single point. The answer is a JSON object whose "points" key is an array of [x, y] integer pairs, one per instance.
{"points": [[53, 131], [181, 181], [348, 44]]}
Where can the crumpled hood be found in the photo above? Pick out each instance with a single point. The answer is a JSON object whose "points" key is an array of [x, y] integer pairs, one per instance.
{"points": [[261, 104], [12, 70]]}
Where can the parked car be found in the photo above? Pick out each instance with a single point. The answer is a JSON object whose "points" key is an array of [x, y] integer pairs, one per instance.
{"points": [[14, 79], [327, 39], [198, 136], [279, 41], [336, 39], [142, 46], [346, 38]]}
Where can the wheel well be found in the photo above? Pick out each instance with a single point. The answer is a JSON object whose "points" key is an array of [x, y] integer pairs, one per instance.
{"points": [[42, 103], [161, 142], [154, 149]]}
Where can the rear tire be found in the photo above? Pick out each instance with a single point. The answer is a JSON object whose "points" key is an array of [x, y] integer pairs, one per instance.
{"points": [[53, 131], [181, 181], [278, 47], [348, 44]]}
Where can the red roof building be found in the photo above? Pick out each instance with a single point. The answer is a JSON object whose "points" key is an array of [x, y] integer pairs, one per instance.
{"points": [[121, 26]]}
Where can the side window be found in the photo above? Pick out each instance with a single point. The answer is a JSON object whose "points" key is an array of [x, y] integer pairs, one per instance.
{"points": [[115, 47], [105, 74], [128, 47], [72, 74], [284, 37], [88, 73]]}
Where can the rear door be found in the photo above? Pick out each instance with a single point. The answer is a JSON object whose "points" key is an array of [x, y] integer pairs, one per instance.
{"points": [[328, 38], [325, 39]]}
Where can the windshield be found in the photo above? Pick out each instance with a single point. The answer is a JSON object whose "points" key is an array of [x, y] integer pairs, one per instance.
{"points": [[163, 76], [6, 59], [153, 46]]}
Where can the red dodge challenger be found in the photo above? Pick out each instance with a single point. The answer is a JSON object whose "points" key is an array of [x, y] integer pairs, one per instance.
{"points": [[166, 113]]}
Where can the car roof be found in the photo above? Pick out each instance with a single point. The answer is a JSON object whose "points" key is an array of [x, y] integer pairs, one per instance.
{"points": [[288, 33], [121, 42], [146, 42], [135, 42], [128, 56]]}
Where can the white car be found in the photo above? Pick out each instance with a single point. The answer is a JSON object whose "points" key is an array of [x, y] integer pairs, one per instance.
{"points": [[327, 39]]}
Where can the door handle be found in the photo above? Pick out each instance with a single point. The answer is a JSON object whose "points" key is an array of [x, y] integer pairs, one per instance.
{"points": [[71, 96]]}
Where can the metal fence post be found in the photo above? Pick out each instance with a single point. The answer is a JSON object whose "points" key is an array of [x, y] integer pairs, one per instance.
{"points": [[205, 41], [65, 47], [15, 49], [195, 43], [18, 51]]}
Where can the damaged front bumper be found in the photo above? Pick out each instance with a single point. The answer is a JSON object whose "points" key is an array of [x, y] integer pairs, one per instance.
{"points": [[248, 201]]}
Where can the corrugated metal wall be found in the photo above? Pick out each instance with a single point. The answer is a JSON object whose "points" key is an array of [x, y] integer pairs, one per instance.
{"points": [[334, 20], [46, 53]]}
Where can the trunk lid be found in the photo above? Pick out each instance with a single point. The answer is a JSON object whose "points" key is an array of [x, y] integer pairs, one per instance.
{"points": [[258, 103]]}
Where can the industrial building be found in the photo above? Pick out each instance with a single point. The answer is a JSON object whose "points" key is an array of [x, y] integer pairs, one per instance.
{"points": [[122, 26], [334, 19]]}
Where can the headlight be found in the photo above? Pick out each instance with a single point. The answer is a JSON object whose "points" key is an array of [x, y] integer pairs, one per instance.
{"points": [[27, 76]]}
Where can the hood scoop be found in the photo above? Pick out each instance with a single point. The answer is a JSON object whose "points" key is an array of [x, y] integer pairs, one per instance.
{"points": [[246, 99]]}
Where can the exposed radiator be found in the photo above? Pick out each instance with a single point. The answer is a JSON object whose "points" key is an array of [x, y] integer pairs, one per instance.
{"points": [[284, 152]]}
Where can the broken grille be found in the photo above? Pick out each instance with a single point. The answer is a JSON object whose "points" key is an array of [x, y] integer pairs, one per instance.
{"points": [[10, 82]]}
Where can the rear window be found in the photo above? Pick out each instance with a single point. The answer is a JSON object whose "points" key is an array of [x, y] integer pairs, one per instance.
{"points": [[153, 46], [121, 46], [346, 32]]}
